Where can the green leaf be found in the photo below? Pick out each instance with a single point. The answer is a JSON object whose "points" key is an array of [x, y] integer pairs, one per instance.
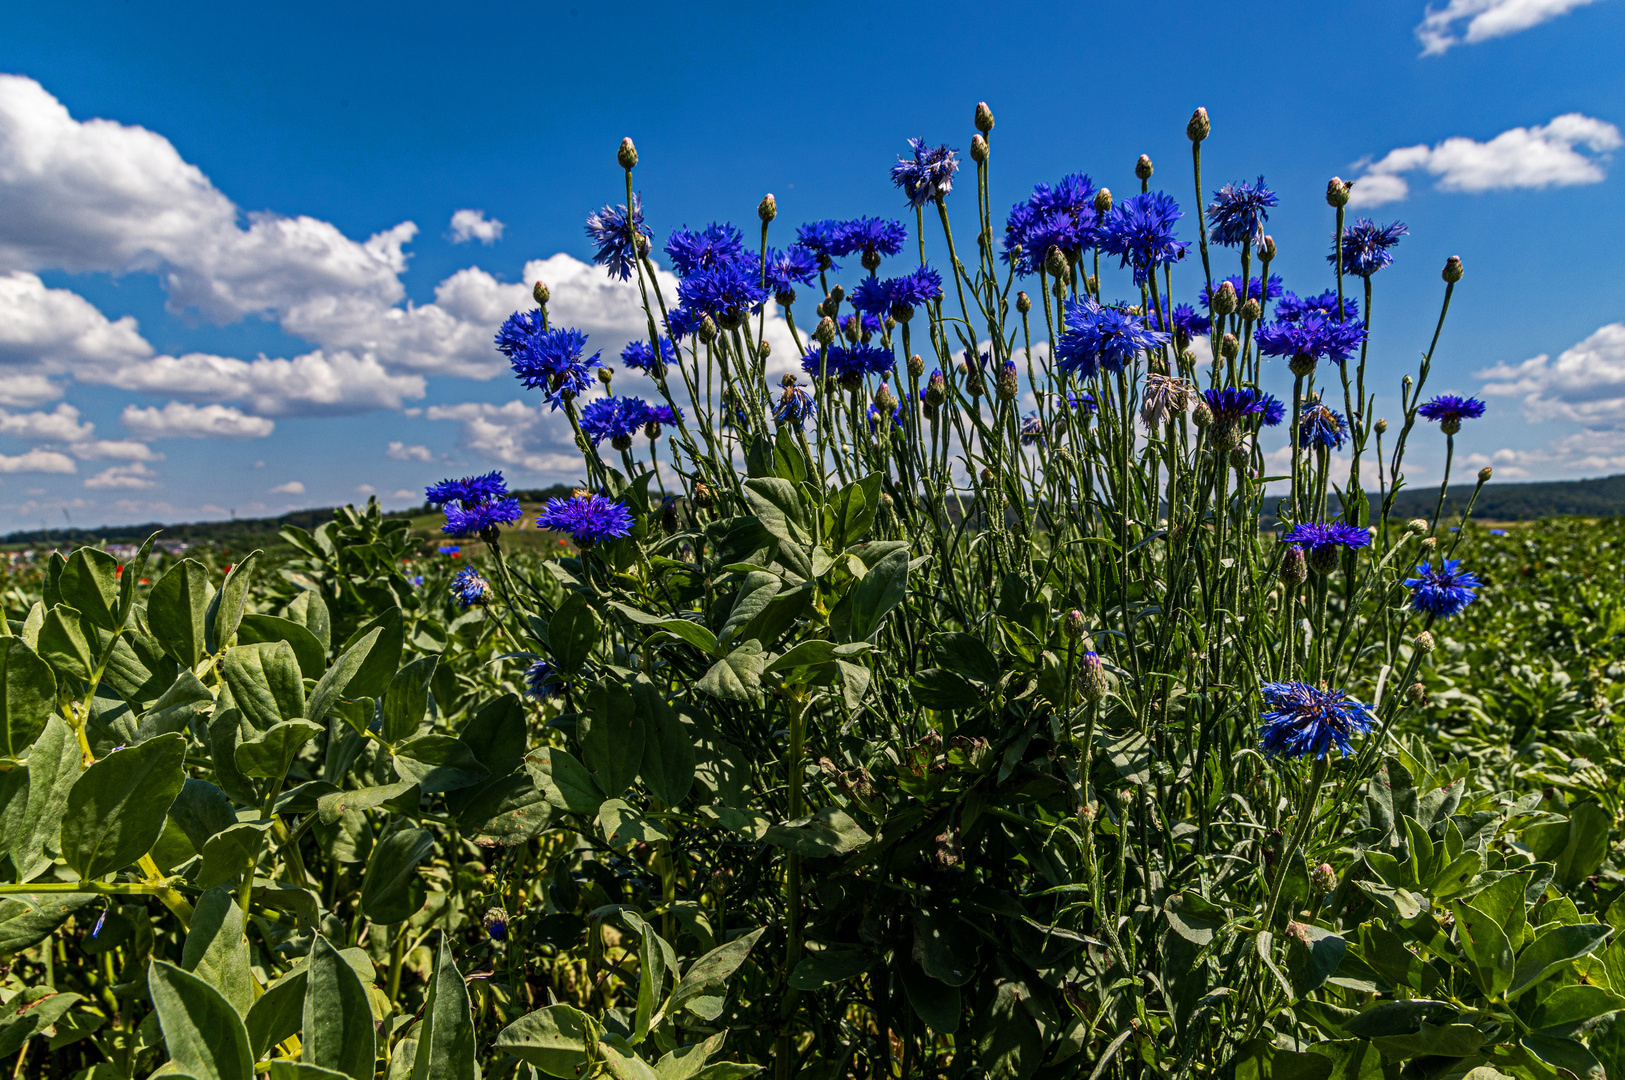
{"points": [[382, 660], [1313, 954], [225, 609], [509, 811], [283, 1069], [668, 749], [25, 923], [446, 1035], [687, 629], [1567, 1007], [1555, 949], [29, 1014], [202, 810], [439, 762], [408, 699], [758, 588], [54, 766], [268, 755], [882, 588], [399, 798], [830, 966], [64, 642], [1488, 952], [701, 989], [336, 682], [967, 655], [737, 676], [116, 809], [611, 737], [778, 505], [935, 1002], [310, 611], [216, 950], [564, 780], [205, 1036], [311, 653], [390, 890], [1561, 1053], [265, 682], [622, 825], [89, 582], [231, 853], [554, 1040], [27, 697], [943, 690], [852, 513], [338, 1032], [1586, 846], [573, 633], [177, 609], [830, 831]]}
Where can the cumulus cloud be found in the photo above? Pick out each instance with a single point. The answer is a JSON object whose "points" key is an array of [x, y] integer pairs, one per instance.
{"points": [[178, 420], [1584, 385], [399, 451], [1441, 28], [60, 425], [132, 476], [514, 434], [37, 461], [469, 225], [292, 487], [1532, 157]]}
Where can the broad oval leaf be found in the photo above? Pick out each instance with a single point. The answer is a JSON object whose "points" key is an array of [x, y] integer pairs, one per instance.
{"points": [[177, 610], [390, 889], [27, 697], [554, 1040], [205, 1037], [116, 810], [338, 1032]]}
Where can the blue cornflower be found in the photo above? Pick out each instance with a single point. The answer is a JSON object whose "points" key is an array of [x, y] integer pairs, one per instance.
{"points": [[1083, 403], [1498, 532], [542, 681], [929, 176], [1060, 217], [682, 323], [1274, 410], [614, 418], [849, 363], [1444, 591], [1185, 321], [1032, 430], [1292, 309], [468, 588], [661, 414], [1321, 425], [795, 405], [416, 581], [1299, 720], [587, 518], [728, 292], [451, 549], [496, 923], [1238, 212], [1233, 403], [549, 360], [788, 268], [820, 238], [913, 290], [638, 356], [1311, 338], [869, 237], [718, 244], [1101, 337], [1320, 540], [1365, 246], [870, 297], [1257, 289], [474, 504], [1141, 231], [1450, 410], [611, 236]]}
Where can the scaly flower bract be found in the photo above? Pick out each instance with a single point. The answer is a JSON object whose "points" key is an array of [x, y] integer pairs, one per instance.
{"points": [[587, 518], [1299, 720], [928, 176], [1238, 212], [611, 236], [1366, 246], [1141, 231], [1442, 591], [1099, 338]]}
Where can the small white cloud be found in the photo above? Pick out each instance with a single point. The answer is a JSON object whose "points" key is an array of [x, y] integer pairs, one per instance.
{"points": [[404, 493], [469, 225], [181, 421], [60, 425], [22, 391], [1532, 158], [399, 451], [40, 461], [135, 475], [259, 464], [366, 489], [1485, 19], [292, 487], [127, 449]]}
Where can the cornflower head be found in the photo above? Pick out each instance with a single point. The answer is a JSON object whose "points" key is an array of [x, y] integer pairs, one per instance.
{"points": [[849, 363], [1366, 246], [1274, 410], [1444, 590], [549, 360], [1099, 338], [870, 297], [682, 323], [728, 292], [1140, 231], [786, 269], [1164, 397], [1310, 339], [1322, 542], [611, 234], [1450, 410], [718, 244], [1063, 216], [660, 414], [912, 290], [870, 238], [795, 405], [1229, 407], [1257, 289], [820, 238], [1238, 212], [495, 922], [453, 550], [1299, 720], [1291, 308], [1185, 323], [928, 176], [543, 680], [474, 505], [587, 518], [1321, 425], [639, 356], [469, 589], [614, 418], [1032, 430]]}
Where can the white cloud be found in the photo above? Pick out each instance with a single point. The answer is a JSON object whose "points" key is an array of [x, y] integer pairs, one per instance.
{"points": [[177, 420], [23, 391], [1584, 385], [59, 329], [399, 451], [292, 487], [1532, 157], [366, 489], [515, 434], [469, 225], [1485, 19], [40, 461], [59, 425], [125, 449], [135, 475], [404, 493], [312, 384]]}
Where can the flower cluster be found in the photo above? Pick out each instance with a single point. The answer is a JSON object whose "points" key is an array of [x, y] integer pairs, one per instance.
{"points": [[618, 419], [898, 296], [469, 589], [1062, 217], [848, 363], [1141, 232], [474, 505], [1237, 213], [547, 358], [1102, 338]]}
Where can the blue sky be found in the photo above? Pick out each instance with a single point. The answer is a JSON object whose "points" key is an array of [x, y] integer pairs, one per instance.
{"points": [[229, 277]]}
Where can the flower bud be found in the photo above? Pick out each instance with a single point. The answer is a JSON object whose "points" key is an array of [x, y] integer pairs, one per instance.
{"points": [[1450, 425], [1229, 346], [1072, 624], [936, 390], [605, 374], [870, 261], [1224, 300], [978, 149], [1452, 269], [984, 117], [703, 497], [496, 920], [1198, 128], [1406, 382], [1417, 526], [767, 209], [824, 333], [708, 330], [1241, 457], [852, 328], [885, 400], [1323, 878], [764, 348], [785, 297], [1055, 262], [1416, 694], [1484, 474], [539, 291], [1294, 567], [1092, 682], [1008, 383], [1266, 248], [1302, 365], [833, 300], [1337, 192], [987, 475], [1382, 426], [1092, 284], [1201, 416], [668, 516], [1142, 167], [1103, 201], [1251, 310], [1429, 543], [1323, 560], [621, 442], [627, 155], [1024, 303], [1424, 643], [721, 880]]}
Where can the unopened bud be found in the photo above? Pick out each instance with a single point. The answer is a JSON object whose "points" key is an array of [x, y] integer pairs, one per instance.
{"points": [[987, 475], [1103, 201], [605, 374], [1072, 624], [708, 330], [1323, 878], [1241, 457], [833, 300], [539, 291], [668, 516], [1266, 248], [1484, 474], [916, 366], [1323, 560], [1092, 284], [1143, 168], [1229, 346], [978, 149], [1418, 526], [1452, 269], [936, 390], [1424, 642], [703, 497], [1416, 694], [1224, 299], [885, 400], [1201, 416], [1382, 426], [627, 155], [1337, 192], [984, 117], [1092, 682], [1008, 383], [1055, 262], [1429, 543], [1198, 128], [1024, 303], [1251, 310], [1302, 365], [825, 331], [764, 348], [1294, 567], [767, 209]]}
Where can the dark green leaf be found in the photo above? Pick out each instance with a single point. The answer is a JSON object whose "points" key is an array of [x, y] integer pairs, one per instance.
{"points": [[65, 642], [54, 766], [446, 1035], [554, 1040], [564, 780], [225, 609], [943, 689], [391, 890], [311, 653], [338, 1032], [383, 658], [176, 611], [668, 749], [708, 975], [880, 590], [737, 676], [89, 582], [205, 1036], [573, 633], [611, 736], [231, 852], [937, 1003], [27, 920], [1553, 950], [439, 762], [1488, 952], [336, 682], [269, 754], [265, 682], [216, 950], [27, 697], [408, 700], [755, 591], [116, 809]]}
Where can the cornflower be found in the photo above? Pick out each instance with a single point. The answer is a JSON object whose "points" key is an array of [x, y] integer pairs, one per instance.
{"points": [[1099, 337], [928, 176], [1443, 591], [611, 236], [587, 518], [1238, 212], [1299, 720], [1366, 246], [1141, 231], [1450, 410]]}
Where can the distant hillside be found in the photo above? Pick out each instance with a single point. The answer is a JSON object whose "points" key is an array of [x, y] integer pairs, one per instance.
{"points": [[1604, 497]]}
